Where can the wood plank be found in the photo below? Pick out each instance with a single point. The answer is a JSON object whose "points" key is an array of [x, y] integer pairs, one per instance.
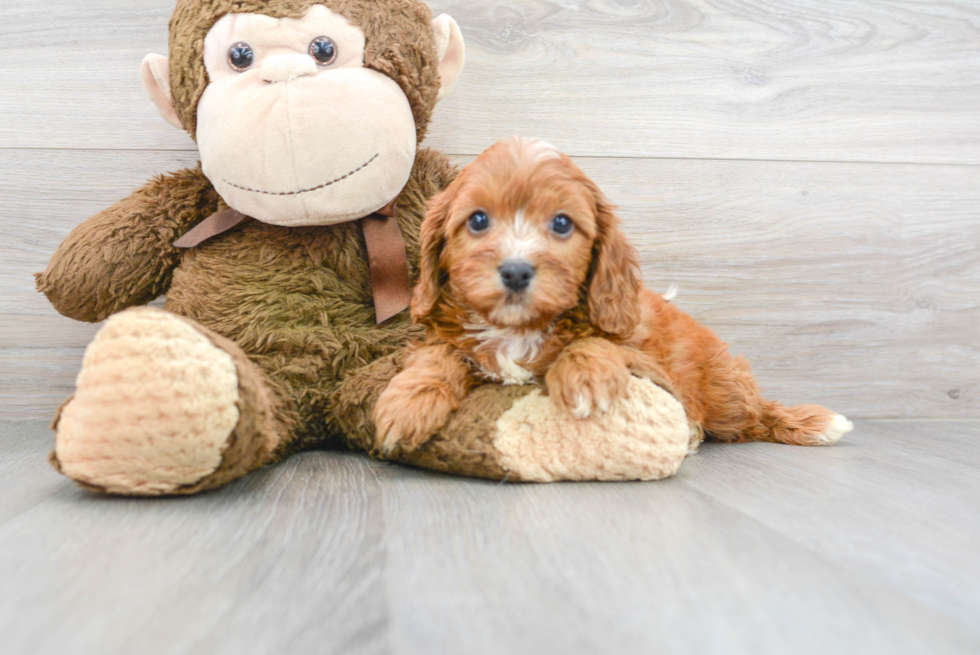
{"points": [[806, 80], [758, 548], [35, 381], [289, 560], [847, 285], [27, 477], [899, 501], [625, 568], [856, 285]]}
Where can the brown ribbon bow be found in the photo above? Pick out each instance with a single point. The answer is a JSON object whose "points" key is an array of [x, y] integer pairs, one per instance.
{"points": [[387, 259], [390, 284]]}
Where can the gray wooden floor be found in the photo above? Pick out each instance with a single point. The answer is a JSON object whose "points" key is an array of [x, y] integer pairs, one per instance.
{"points": [[807, 171], [866, 547]]}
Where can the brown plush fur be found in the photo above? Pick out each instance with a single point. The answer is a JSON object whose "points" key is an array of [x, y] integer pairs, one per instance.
{"points": [[261, 428], [297, 301], [292, 306], [123, 256], [464, 446], [398, 44], [590, 320]]}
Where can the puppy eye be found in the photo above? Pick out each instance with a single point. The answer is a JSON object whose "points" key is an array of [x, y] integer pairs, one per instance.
{"points": [[324, 50], [562, 225], [240, 56], [478, 222]]}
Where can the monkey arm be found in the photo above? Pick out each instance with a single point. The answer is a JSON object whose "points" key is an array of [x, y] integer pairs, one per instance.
{"points": [[123, 256]]}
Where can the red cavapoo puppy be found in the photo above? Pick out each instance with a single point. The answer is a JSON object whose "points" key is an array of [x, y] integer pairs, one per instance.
{"points": [[525, 275]]}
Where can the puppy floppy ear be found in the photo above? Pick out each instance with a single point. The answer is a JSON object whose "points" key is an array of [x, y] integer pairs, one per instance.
{"points": [[432, 237], [615, 283]]}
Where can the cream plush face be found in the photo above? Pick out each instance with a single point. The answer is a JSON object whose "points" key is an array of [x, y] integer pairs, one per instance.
{"points": [[290, 140]]}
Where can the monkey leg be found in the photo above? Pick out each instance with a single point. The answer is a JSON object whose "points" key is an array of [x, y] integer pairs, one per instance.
{"points": [[517, 433], [165, 406]]}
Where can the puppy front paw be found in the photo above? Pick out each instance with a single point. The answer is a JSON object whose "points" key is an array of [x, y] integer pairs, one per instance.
{"points": [[407, 418], [584, 381]]}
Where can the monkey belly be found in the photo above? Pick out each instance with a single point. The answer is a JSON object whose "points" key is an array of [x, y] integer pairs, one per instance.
{"points": [[298, 302]]}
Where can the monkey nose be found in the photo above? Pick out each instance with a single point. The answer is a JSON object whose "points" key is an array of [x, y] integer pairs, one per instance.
{"points": [[282, 68], [516, 274]]}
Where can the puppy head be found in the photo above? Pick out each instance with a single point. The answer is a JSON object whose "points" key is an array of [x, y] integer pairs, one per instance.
{"points": [[518, 234]]}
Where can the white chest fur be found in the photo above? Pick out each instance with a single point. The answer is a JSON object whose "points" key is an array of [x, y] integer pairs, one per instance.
{"points": [[511, 347]]}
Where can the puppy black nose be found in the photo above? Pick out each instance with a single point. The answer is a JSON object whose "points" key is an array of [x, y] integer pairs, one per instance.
{"points": [[516, 274]]}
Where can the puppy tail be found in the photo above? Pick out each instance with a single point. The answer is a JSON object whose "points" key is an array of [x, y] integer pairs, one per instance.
{"points": [[804, 425], [753, 418]]}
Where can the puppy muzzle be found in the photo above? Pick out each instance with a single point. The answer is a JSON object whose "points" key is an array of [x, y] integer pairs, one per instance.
{"points": [[516, 275]]}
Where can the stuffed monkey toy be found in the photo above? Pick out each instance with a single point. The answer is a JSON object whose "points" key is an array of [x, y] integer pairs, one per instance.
{"points": [[287, 257]]}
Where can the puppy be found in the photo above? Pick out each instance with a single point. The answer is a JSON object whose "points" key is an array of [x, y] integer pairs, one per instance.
{"points": [[525, 275]]}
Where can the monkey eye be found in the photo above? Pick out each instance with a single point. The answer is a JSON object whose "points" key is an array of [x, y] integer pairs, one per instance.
{"points": [[478, 222], [324, 50], [241, 56], [562, 225]]}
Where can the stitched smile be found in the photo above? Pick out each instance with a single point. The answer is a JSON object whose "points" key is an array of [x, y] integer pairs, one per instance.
{"points": [[296, 193]]}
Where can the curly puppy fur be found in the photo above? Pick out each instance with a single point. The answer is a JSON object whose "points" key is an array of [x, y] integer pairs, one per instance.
{"points": [[580, 318]]}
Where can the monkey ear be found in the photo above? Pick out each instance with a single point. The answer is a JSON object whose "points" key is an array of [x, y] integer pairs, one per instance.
{"points": [[426, 292], [155, 73], [451, 51], [614, 288]]}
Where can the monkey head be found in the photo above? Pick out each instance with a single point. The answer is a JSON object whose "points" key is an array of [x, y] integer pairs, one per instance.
{"points": [[305, 112]]}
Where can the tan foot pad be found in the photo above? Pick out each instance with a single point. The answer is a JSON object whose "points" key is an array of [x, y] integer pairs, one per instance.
{"points": [[154, 407], [643, 437]]}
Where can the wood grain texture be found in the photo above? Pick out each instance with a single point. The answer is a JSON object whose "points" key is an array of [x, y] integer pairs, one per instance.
{"points": [[729, 132], [874, 80], [895, 467], [865, 547], [856, 286], [288, 560]]}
